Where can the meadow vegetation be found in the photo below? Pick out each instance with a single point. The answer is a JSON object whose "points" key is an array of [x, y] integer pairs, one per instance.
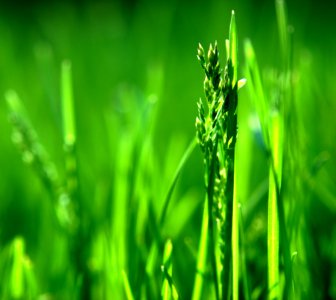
{"points": [[138, 164]]}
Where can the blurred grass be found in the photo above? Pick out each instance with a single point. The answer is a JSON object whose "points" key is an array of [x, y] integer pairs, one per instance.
{"points": [[136, 81]]}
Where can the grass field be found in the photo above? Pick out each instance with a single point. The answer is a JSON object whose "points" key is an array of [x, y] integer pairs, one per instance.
{"points": [[119, 182]]}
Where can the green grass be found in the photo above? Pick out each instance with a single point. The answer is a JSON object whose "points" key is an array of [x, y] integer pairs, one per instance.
{"points": [[108, 191]]}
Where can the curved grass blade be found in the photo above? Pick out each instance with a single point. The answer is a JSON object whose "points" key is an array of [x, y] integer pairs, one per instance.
{"points": [[172, 185]]}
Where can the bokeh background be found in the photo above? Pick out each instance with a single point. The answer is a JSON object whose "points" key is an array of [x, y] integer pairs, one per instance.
{"points": [[125, 54]]}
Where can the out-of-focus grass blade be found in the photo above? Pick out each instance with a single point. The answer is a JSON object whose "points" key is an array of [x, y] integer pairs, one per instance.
{"points": [[183, 211], [235, 240], [17, 275], [273, 236], [282, 25], [256, 89], [69, 130], [241, 83], [277, 143], [127, 287], [184, 159], [69, 140], [26, 139]]}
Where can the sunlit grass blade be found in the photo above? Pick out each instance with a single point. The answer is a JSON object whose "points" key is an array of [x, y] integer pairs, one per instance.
{"points": [[235, 211], [235, 242], [273, 242], [233, 48]]}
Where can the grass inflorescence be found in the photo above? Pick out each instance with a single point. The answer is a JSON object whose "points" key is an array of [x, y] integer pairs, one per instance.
{"points": [[216, 126]]}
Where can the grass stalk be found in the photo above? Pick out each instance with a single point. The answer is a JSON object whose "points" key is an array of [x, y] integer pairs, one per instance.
{"points": [[202, 255], [235, 244], [27, 141], [235, 210], [78, 235]]}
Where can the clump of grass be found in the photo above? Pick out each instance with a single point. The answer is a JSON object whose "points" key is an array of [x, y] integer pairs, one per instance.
{"points": [[216, 127], [273, 114]]}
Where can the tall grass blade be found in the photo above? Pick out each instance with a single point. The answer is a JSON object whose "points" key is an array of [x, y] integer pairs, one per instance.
{"points": [[273, 238], [235, 242], [235, 211]]}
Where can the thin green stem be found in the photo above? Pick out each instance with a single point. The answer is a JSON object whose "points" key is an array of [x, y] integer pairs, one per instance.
{"points": [[202, 255]]}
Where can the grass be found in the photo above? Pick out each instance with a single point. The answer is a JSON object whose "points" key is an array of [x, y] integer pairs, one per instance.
{"points": [[111, 192]]}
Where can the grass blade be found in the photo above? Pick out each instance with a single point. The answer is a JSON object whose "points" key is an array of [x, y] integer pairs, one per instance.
{"points": [[127, 287], [256, 90], [202, 255], [235, 242], [273, 238], [282, 25], [69, 129], [235, 210], [233, 48], [183, 161], [17, 276]]}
